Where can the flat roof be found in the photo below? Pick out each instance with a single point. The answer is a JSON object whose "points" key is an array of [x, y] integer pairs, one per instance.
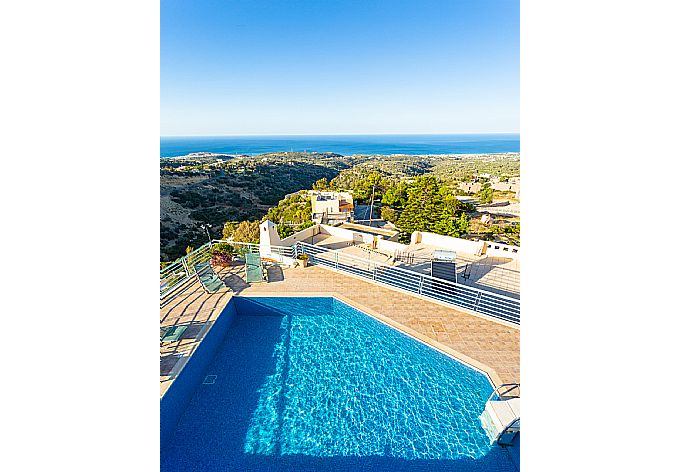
{"points": [[368, 229]]}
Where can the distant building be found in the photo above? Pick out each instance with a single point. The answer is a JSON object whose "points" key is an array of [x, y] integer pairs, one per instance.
{"points": [[470, 187], [331, 206], [486, 219], [506, 186]]}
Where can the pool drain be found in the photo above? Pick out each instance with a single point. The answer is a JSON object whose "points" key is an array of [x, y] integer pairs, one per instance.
{"points": [[210, 379]]}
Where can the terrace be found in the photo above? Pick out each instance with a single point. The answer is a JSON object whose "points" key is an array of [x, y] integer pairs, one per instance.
{"points": [[486, 342], [492, 267]]}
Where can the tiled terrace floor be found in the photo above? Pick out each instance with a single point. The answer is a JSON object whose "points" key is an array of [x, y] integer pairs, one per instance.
{"points": [[192, 306], [493, 344]]}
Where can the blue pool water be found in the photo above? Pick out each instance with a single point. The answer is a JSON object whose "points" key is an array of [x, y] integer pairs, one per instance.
{"points": [[171, 146], [314, 384]]}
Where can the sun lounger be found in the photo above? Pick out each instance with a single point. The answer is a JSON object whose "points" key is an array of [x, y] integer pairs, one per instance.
{"points": [[172, 333], [254, 270], [208, 277]]}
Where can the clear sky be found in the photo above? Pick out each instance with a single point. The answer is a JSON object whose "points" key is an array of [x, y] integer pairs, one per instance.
{"points": [[241, 67]]}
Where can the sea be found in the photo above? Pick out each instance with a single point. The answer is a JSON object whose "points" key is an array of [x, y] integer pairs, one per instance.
{"points": [[347, 145]]}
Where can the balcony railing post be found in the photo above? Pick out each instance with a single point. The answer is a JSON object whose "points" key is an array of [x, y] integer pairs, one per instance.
{"points": [[336, 261], [421, 282], [186, 268]]}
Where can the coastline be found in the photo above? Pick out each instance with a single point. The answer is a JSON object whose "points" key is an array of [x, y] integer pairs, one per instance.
{"points": [[213, 155], [345, 145]]}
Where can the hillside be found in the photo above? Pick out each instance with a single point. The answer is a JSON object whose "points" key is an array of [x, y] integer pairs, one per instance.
{"points": [[213, 189], [209, 191]]}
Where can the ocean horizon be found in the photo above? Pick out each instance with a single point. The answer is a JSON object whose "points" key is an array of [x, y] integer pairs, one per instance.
{"points": [[382, 144]]}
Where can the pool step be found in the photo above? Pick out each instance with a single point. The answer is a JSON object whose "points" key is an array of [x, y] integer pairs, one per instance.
{"points": [[501, 417]]}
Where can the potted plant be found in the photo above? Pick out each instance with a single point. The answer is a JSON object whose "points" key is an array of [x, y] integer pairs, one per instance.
{"points": [[302, 260], [221, 255]]}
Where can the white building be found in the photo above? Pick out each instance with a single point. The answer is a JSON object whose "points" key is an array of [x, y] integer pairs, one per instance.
{"points": [[331, 206]]}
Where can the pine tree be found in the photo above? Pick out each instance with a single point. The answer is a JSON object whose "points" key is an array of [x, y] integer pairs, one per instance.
{"points": [[424, 204]]}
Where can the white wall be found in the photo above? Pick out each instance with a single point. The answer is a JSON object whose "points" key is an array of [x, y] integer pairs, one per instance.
{"points": [[303, 235], [502, 250], [448, 242], [389, 246], [268, 234]]}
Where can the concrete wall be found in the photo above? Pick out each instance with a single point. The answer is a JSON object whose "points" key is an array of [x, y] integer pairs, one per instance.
{"points": [[268, 234], [471, 187], [348, 235], [389, 246], [448, 242], [304, 236], [324, 206], [502, 250]]}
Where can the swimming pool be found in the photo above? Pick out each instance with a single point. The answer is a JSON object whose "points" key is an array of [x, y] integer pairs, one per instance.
{"points": [[301, 383]]}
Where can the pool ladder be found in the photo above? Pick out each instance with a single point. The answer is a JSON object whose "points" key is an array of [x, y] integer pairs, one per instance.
{"points": [[503, 392]]}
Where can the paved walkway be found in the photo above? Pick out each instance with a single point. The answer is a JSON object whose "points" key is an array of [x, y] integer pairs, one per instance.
{"points": [[490, 343]]}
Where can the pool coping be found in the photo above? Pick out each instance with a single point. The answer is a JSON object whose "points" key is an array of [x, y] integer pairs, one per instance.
{"points": [[489, 372]]}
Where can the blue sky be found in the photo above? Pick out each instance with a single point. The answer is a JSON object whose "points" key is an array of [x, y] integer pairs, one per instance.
{"points": [[244, 67]]}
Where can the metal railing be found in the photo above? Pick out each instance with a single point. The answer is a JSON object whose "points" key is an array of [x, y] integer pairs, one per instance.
{"points": [[179, 272], [506, 389], [463, 296]]}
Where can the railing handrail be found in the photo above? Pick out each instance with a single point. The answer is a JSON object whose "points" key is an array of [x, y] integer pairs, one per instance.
{"points": [[181, 265], [411, 272], [461, 296], [186, 256], [512, 386]]}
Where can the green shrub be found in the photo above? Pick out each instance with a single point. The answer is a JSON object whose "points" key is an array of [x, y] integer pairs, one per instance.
{"points": [[222, 248]]}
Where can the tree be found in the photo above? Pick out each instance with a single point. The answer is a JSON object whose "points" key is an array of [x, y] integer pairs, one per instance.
{"points": [[228, 229], [247, 232], [305, 225], [395, 196], [321, 184], [464, 223], [374, 181], [388, 214], [486, 195], [447, 222], [284, 231], [467, 207], [423, 208]]}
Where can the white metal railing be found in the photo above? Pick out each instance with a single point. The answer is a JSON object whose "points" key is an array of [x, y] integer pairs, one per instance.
{"points": [[502, 391], [178, 273], [463, 296]]}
